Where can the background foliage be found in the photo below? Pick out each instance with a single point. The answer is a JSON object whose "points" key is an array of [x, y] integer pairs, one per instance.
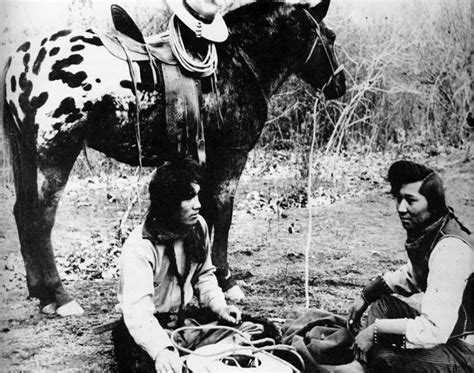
{"points": [[407, 63], [408, 69]]}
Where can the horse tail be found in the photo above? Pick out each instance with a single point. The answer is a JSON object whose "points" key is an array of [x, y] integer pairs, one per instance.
{"points": [[12, 133], [4, 112], [3, 90]]}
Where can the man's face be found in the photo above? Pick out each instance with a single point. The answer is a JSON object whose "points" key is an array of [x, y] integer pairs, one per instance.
{"points": [[412, 207], [190, 207]]}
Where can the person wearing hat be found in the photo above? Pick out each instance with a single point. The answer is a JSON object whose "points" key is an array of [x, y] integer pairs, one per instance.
{"points": [[440, 264]]}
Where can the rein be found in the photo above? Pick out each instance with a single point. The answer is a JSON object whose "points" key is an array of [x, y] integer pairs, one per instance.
{"points": [[318, 39]]}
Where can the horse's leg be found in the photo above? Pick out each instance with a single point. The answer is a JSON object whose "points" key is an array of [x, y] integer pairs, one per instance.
{"points": [[218, 202], [35, 219], [24, 170], [51, 188], [38, 190]]}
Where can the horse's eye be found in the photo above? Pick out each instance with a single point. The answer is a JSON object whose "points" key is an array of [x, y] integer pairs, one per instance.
{"points": [[331, 36]]}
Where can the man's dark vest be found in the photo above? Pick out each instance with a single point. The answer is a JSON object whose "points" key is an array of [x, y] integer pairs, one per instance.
{"points": [[419, 258]]}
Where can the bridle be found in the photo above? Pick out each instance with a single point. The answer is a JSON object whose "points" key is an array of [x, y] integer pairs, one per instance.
{"points": [[319, 39]]}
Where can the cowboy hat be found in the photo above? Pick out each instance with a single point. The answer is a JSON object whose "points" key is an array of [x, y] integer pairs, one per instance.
{"points": [[202, 17]]}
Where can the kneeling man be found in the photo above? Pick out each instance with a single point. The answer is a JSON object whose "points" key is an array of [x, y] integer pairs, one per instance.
{"points": [[164, 263], [441, 265]]}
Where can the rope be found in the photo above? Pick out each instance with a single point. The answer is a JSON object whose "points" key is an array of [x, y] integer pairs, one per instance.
{"points": [[237, 348], [310, 215], [215, 327], [203, 67]]}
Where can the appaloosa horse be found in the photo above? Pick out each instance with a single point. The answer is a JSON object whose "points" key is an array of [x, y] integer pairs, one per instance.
{"points": [[66, 90]]}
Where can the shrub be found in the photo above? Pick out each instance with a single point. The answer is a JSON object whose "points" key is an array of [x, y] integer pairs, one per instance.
{"points": [[408, 81]]}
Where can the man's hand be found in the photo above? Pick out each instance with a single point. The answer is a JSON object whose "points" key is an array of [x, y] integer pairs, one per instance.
{"points": [[230, 314], [355, 314], [168, 361], [365, 339]]}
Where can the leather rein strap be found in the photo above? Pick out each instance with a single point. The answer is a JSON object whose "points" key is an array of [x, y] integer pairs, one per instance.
{"points": [[318, 39]]}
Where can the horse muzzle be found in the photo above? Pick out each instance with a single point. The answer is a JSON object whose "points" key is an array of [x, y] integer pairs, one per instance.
{"points": [[336, 85]]}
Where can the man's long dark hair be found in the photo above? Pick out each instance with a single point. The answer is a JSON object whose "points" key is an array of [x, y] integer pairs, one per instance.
{"points": [[169, 186], [406, 172]]}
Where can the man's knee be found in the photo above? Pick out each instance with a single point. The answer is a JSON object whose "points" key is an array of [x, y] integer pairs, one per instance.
{"points": [[129, 356], [390, 307], [387, 361]]}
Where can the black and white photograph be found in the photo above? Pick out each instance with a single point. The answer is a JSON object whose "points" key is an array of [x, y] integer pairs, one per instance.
{"points": [[249, 186]]}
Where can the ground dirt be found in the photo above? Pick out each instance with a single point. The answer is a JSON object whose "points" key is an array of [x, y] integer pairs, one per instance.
{"points": [[352, 239]]}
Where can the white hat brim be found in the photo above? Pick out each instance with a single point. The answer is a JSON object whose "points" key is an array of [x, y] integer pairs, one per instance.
{"points": [[215, 31]]}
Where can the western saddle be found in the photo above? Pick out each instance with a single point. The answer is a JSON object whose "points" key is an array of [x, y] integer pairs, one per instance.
{"points": [[182, 92]]}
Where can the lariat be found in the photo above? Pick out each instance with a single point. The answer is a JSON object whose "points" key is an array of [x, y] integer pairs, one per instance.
{"points": [[202, 67]]}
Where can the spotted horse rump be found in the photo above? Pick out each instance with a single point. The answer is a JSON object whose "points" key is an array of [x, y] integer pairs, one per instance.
{"points": [[66, 90], [69, 88]]}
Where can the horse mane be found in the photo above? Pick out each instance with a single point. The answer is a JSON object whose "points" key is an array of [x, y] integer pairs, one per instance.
{"points": [[253, 11], [261, 27]]}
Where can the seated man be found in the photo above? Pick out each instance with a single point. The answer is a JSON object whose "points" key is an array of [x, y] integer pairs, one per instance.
{"points": [[164, 263], [441, 264]]}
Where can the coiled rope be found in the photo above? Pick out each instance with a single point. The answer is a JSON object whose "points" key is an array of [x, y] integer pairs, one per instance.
{"points": [[235, 348], [203, 67]]}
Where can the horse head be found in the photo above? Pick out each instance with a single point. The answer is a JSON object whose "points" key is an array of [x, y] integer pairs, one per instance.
{"points": [[321, 67], [276, 39]]}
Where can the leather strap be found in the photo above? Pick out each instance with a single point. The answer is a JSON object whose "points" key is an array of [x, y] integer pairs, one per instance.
{"points": [[183, 114], [137, 107]]}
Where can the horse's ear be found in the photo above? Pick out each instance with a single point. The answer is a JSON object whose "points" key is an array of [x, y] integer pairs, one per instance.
{"points": [[320, 10]]}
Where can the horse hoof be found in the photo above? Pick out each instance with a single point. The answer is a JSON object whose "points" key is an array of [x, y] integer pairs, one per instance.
{"points": [[71, 308], [49, 309], [234, 293]]}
